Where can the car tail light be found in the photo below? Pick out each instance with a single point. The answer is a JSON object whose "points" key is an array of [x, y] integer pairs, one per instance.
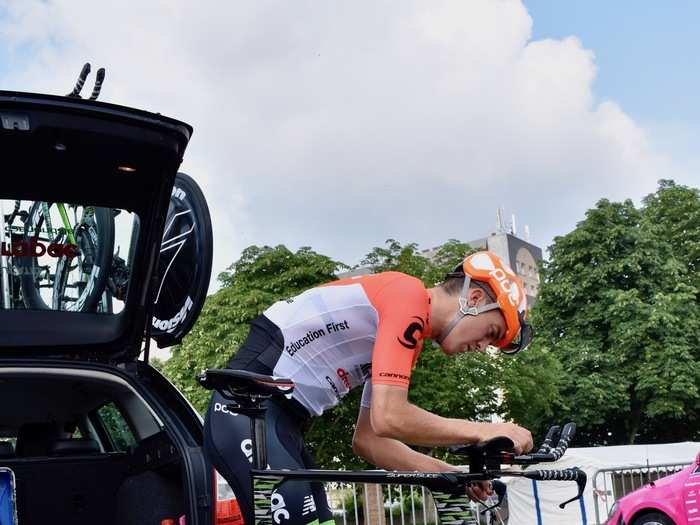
{"points": [[227, 511]]}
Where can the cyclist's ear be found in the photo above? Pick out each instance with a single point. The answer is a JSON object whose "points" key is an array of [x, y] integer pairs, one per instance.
{"points": [[476, 297]]}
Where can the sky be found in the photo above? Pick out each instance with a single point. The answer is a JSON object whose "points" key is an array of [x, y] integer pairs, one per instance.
{"points": [[340, 125]]}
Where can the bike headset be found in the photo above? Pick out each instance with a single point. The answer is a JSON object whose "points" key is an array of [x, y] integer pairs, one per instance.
{"points": [[487, 268]]}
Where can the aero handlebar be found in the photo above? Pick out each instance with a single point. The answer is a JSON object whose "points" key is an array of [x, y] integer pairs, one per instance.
{"points": [[551, 454], [487, 459]]}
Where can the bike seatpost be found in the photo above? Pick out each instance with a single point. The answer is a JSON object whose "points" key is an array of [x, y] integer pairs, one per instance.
{"points": [[255, 410], [257, 427]]}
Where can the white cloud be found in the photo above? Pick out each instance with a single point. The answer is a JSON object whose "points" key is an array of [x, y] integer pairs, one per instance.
{"points": [[337, 125]]}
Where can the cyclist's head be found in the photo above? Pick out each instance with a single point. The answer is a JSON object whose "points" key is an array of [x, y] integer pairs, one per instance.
{"points": [[501, 291]]}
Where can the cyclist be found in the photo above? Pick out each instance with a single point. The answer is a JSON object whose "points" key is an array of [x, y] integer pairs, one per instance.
{"points": [[367, 330]]}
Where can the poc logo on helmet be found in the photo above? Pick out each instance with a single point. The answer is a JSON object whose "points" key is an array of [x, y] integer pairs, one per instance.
{"points": [[506, 285]]}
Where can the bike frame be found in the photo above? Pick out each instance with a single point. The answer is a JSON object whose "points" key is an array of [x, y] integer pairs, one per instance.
{"points": [[447, 488], [248, 393], [6, 227], [452, 506], [66, 222]]}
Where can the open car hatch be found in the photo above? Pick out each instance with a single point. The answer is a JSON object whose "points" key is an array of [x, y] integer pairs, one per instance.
{"points": [[90, 202]]}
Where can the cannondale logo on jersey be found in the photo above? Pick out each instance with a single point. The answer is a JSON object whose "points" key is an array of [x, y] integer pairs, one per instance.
{"points": [[409, 339]]}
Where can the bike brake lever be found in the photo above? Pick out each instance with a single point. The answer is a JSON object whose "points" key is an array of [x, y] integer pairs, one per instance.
{"points": [[581, 479]]}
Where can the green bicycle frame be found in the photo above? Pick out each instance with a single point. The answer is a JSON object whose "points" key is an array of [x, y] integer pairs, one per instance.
{"points": [[66, 222]]}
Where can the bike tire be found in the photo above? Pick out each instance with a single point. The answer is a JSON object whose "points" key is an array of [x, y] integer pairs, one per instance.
{"points": [[100, 239], [653, 518], [184, 265]]}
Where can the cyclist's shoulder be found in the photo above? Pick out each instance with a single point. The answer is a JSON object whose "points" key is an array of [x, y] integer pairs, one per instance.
{"points": [[398, 282], [376, 282]]}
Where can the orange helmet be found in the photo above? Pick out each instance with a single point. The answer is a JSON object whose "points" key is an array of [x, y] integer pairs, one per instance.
{"points": [[486, 267]]}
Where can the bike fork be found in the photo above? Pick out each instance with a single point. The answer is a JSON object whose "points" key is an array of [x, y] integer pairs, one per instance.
{"points": [[4, 267]]}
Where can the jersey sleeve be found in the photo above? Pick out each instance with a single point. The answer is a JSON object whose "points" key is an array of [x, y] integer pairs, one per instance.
{"points": [[366, 401], [402, 306]]}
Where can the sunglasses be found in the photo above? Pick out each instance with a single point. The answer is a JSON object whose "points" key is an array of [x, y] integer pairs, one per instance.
{"points": [[522, 340]]}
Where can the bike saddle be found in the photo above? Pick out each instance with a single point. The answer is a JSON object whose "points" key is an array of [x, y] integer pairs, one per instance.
{"points": [[237, 384]]}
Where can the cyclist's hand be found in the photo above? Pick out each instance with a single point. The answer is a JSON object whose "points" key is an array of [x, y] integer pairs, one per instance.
{"points": [[479, 491], [521, 437]]}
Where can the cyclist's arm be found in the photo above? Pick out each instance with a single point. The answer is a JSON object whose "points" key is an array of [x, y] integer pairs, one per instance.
{"points": [[388, 453], [403, 309], [393, 416]]}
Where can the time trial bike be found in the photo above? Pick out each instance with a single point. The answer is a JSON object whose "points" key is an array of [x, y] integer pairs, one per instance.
{"points": [[248, 393]]}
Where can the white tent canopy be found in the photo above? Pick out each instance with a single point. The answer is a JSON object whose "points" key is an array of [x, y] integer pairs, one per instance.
{"points": [[537, 503]]}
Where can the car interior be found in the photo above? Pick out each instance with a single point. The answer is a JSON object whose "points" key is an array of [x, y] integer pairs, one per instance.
{"points": [[86, 448]]}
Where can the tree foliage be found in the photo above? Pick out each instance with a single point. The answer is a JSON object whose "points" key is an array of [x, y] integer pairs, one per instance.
{"points": [[619, 309]]}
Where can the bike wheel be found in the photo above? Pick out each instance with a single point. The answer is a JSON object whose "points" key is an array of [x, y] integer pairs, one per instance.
{"points": [[62, 281], [653, 518]]}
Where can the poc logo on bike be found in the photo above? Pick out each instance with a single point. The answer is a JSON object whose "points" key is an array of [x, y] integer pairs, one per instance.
{"points": [[279, 511], [247, 449], [39, 249]]}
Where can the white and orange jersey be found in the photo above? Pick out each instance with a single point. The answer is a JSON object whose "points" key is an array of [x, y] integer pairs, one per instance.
{"points": [[338, 335]]}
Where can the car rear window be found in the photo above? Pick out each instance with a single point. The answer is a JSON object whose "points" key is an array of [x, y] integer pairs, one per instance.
{"points": [[116, 426], [63, 256]]}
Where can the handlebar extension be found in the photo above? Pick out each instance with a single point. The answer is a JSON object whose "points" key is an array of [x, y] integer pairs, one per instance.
{"points": [[552, 435], [567, 434]]}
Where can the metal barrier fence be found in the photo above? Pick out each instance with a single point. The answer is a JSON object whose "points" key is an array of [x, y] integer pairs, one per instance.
{"points": [[610, 484], [369, 504]]}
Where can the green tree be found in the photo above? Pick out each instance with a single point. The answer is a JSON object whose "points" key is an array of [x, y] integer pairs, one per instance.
{"points": [[619, 310], [260, 277], [672, 214], [530, 383]]}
